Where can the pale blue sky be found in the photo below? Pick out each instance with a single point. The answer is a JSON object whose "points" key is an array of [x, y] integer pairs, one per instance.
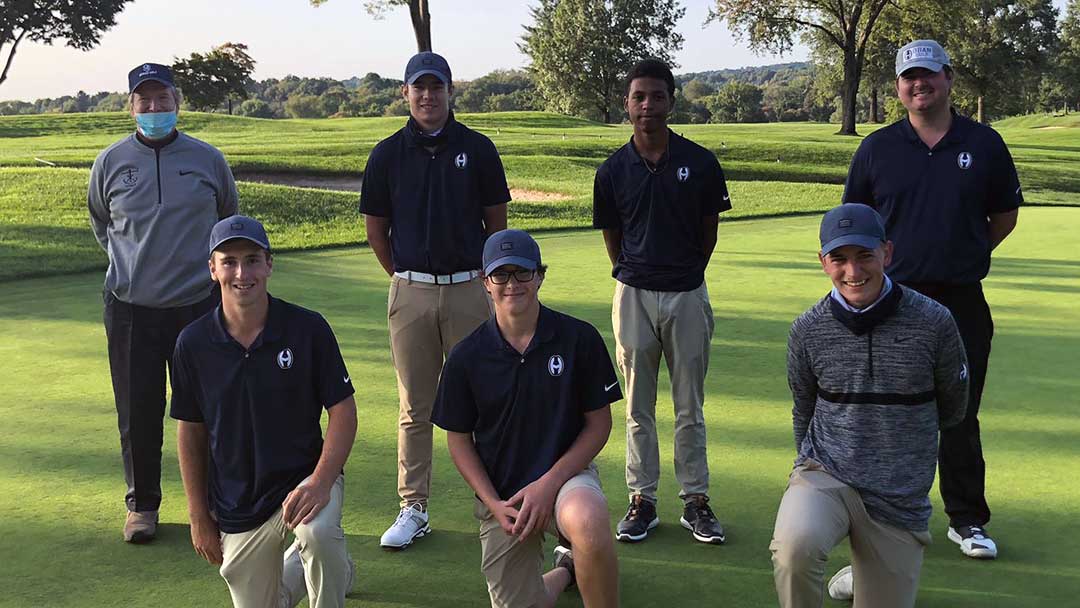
{"points": [[338, 39]]}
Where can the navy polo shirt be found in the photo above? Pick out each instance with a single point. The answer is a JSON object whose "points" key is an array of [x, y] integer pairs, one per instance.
{"points": [[434, 199], [935, 201], [525, 410], [261, 406], [660, 212]]}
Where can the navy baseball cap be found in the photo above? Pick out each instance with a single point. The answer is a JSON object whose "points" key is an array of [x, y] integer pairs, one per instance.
{"points": [[511, 247], [926, 54], [851, 224], [149, 71], [427, 63], [238, 227]]}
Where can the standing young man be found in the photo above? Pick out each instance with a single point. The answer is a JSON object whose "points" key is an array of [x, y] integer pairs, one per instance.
{"points": [[250, 382], [875, 370], [949, 193], [657, 200], [153, 198], [525, 401], [432, 193]]}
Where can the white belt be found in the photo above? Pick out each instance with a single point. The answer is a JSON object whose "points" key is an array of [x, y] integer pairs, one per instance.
{"points": [[438, 279]]}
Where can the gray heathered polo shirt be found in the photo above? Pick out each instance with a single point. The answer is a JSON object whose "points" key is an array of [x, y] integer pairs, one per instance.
{"points": [[152, 211]]}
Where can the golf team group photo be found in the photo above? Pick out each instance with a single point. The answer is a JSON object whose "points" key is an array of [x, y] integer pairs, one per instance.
{"points": [[886, 371]]}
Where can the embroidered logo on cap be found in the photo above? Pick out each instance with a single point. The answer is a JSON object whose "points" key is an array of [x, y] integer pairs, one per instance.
{"points": [[285, 358], [964, 160], [556, 365], [461, 160], [845, 223], [147, 70], [236, 226], [918, 52]]}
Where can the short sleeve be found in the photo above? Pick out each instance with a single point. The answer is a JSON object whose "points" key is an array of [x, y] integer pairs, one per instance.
{"points": [[455, 407], [717, 199], [333, 383], [493, 187], [1004, 193], [859, 187], [598, 386], [185, 388], [605, 211], [375, 190]]}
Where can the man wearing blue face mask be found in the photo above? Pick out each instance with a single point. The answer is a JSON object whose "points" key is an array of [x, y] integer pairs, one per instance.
{"points": [[153, 198]]}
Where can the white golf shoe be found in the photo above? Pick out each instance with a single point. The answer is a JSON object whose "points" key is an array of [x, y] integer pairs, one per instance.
{"points": [[411, 524], [842, 585]]}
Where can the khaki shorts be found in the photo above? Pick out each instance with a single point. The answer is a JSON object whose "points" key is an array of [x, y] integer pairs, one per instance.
{"points": [[514, 570]]}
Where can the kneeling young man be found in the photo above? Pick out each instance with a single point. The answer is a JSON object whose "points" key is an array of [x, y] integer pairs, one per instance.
{"points": [[250, 380], [525, 400], [875, 371]]}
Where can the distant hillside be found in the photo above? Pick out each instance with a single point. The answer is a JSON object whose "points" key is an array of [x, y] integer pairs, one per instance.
{"points": [[755, 75]]}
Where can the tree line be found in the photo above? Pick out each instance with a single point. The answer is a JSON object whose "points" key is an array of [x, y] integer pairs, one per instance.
{"points": [[1010, 57]]}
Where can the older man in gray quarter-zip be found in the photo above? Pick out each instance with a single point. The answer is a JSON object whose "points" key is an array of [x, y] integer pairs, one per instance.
{"points": [[153, 198]]}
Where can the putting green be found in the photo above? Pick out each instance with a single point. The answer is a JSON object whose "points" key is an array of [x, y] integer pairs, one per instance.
{"points": [[61, 486]]}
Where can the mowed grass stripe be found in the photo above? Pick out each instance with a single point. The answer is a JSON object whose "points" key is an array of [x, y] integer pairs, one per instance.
{"points": [[44, 227], [1046, 149], [61, 486]]}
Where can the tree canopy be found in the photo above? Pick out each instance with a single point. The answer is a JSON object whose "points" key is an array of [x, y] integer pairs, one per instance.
{"points": [[216, 78], [581, 50], [79, 23], [771, 25]]}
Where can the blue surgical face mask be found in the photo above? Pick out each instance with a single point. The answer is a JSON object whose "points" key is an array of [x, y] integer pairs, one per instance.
{"points": [[156, 125]]}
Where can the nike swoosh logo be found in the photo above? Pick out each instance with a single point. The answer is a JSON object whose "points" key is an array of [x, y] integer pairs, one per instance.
{"points": [[611, 386], [186, 172], [727, 197], [346, 379]]}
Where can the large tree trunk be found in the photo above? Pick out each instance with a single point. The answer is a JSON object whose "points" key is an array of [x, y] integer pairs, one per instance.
{"points": [[980, 116], [421, 22], [230, 105], [873, 106], [849, 90]]}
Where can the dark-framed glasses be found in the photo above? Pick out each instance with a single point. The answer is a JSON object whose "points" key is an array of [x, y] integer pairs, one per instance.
{"points": [[502, 277]]}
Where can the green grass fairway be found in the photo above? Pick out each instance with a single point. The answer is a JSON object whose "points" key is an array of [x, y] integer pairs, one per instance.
{"points": [[772, 169], [44, 228], [61, 486]]}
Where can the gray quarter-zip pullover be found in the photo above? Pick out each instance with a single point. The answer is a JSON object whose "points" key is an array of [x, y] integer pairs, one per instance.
{"points": [[152, 210]]}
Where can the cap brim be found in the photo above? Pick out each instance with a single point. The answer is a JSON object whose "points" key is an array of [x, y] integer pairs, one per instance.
{"points": [[516, 260], [148, 79], [435, 73], [862, 240], [933, 66], [214, 246]]}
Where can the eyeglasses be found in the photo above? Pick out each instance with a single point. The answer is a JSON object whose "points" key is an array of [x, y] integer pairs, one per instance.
{"points": [[501, 277]]}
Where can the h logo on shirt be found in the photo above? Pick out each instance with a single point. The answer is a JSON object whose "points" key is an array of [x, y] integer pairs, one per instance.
{"points": [[964, 160], [556, 365], [461, 160], [683, 174], [285, 358]]}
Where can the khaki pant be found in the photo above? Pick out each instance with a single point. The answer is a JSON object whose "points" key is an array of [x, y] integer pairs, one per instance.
{"points": [[426, 321], [513, 569], [317, 565], [678, 325], [816, 513]]}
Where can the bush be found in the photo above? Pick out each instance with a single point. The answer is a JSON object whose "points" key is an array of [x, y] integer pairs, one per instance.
{"points": [[255, 108]]}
